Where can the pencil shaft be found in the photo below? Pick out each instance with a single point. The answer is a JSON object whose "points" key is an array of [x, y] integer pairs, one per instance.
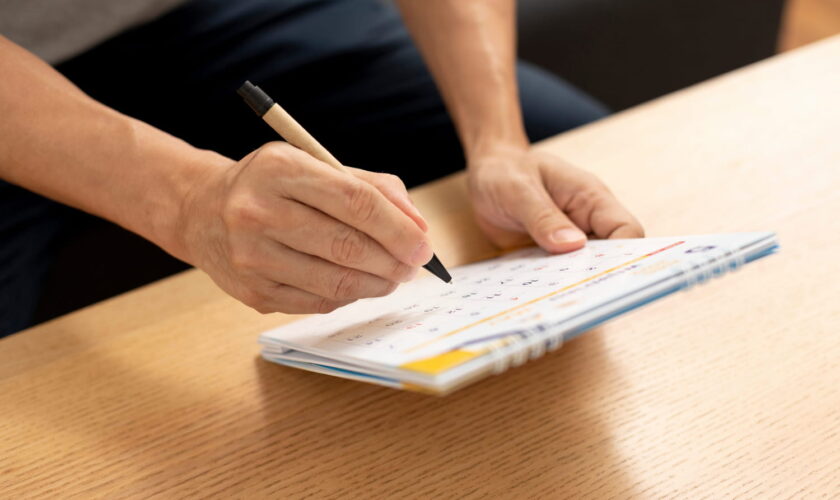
{"points": [[292, 131]]}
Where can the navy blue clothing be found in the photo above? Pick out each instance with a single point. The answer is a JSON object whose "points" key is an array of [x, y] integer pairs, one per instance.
{"points": [[345, 69]]}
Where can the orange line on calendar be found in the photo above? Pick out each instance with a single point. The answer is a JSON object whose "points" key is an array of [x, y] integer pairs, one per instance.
{"points": [[533, 301]]}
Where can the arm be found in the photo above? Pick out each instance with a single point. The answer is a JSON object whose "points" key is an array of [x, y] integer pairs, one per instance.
{"points": [[64, 145], [342, 237], [469, 46]]}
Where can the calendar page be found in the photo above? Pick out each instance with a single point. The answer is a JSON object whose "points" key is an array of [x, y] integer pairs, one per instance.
{"points": [[488, 300]]}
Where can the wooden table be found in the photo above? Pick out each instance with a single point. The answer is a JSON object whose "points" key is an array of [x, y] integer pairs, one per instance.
{"points": [[730, 390]]}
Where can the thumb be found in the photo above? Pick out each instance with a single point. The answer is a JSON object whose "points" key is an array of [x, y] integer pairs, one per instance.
{"points": [[546, 223]]}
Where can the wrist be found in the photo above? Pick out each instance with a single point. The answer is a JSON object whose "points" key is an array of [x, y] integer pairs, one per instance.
{"points": [[167, 175], [492, 130], [489, 121], [193, 190], [495, 143], [497, 153]]}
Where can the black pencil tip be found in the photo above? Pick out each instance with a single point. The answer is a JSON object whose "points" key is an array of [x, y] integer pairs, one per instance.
{"points": [[435, 267]]}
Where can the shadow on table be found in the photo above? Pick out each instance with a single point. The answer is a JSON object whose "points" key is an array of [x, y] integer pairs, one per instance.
{"points": [[104, 423], [541, 429]]}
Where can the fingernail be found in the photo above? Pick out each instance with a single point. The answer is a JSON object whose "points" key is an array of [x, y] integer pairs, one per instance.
{"points": [[422, 254], [568, 236]]}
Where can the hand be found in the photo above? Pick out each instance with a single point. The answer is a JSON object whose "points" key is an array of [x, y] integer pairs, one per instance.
{"points": [[518, 192], [284, 232]]}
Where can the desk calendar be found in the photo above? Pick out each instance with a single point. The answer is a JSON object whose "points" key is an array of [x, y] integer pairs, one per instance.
{"points": [[433, 337]]}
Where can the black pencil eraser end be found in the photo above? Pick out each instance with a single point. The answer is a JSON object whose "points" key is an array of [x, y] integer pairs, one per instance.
{"points": [[255, 98]]}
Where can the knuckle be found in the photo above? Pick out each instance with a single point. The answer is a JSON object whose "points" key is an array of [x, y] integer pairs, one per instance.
{"points": [[389, 288], [348, 247], [393, 181], [274, 151], [253, 299], [584, 198], [241, 210], [263, 308], [399, 271], [360, 201], [325, 306], [274, 156], [346, 285]]}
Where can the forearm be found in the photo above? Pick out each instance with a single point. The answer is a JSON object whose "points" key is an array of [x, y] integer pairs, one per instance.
{"points": [[470, 48], [62, 144]]}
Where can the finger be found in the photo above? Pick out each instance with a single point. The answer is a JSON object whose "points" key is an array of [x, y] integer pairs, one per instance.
{"points": [[271, 297], [284, 265], [545, 222], [627, 231], [312, 232], [610, 219], [393, 188], [598, 212], [360, 205]]}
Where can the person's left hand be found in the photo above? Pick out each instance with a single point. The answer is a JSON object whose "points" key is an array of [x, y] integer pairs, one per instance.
{"points": [[520, 192]]}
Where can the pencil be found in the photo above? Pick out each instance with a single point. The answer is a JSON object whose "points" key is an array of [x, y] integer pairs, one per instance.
{"points": [[290, 130]]}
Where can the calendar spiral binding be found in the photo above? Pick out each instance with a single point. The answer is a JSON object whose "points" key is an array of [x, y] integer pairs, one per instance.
{"points": [[517, 348]]}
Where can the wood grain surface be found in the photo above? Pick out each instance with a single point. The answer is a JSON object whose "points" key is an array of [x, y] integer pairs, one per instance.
{"points": [[731, 390]]}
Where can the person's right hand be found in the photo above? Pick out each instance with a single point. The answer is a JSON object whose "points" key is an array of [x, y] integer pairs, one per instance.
{"points": [[284, 232]]}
